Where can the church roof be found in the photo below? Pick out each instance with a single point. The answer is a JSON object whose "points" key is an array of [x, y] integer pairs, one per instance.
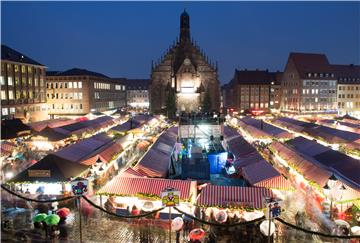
{"points": [[255, 76]]}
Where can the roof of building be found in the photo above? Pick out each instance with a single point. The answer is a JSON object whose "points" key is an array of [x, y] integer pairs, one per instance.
{"points": [[311, 63], [10, 54], [347, 74], [254, 76], [76, 72], [136, 84], [58, 169]]}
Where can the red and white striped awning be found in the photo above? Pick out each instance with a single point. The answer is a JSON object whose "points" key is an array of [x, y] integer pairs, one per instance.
{"points": [[277, 182], [130, 172], [128, 186], [225, 196]]}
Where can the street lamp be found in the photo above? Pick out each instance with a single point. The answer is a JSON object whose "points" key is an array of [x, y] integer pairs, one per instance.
{"points": [[331, 191]]}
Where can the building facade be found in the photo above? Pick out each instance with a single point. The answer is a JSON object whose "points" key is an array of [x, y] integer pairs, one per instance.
{"points": [[77, 92], [22, 87], [187, 71], [348, 89], [251, 90], [137, 93], [308, 85]]}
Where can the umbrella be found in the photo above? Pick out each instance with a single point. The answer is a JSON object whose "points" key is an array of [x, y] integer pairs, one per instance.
{"points": [[148, 206], [197, 234], [63, 212], [249, 216], [52, 219], [39, 217], [341, 222], [177, 223], [264, 227], [355, 230], [221, 216]]}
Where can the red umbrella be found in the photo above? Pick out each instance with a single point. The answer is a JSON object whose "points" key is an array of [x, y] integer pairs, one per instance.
{"points": [[197, 234], [63, 212]]}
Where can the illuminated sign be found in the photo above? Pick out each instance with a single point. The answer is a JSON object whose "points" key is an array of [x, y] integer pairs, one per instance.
{"points": [[39, 173], [257, 112], [170, 197]]}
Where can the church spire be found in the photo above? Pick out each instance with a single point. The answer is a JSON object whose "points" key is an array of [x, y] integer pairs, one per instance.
{"points": [[184, 28]]}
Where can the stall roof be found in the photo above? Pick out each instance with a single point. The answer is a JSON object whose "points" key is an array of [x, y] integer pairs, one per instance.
{"points": [[52, 123], [267, 128], [7, 147], [224, 196], [130, 172], [328, 133], [259, 171], [81, 150], [13, 128], [52, 135], [127, 186], [105, 153], [50, 169]]}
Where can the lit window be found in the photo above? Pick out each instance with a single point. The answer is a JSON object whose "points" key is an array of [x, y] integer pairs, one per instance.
{"points": [[16, 67], [12, 110], [80, 85], [23, 69], [75, 85], [2, 80], [10, 81], [11, 95], [70, 85], [29, 69], [4, 111], [3, 95], [80, 96]]}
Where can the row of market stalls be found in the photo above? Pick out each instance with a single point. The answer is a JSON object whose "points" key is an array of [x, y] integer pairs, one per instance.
{"points": [[317, 163], [156, 161], [328, 134], [259, 129], [249, 163], [338, 124]]}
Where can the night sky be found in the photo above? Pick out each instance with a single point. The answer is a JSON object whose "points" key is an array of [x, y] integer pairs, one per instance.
{"points": [[119, 39]]}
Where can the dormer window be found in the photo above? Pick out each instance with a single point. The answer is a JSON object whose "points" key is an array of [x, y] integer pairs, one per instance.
{"points": [[315, 74], [327, 75], [332, 75], [309, 75], [321, 75]]}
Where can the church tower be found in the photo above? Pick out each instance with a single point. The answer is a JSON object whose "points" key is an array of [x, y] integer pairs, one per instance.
{"points": [[186, 72], [184, 28]]}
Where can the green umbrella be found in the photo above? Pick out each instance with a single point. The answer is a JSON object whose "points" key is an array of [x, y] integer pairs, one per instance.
{"points": [[39, 217], [52, 219]]}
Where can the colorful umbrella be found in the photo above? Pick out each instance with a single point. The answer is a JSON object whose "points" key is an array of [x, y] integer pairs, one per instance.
{"points": [[341, 222], [264, 227], [63, 212], [197, 234], [221, 216], [52, 219], [177, 223], [39, 217]]}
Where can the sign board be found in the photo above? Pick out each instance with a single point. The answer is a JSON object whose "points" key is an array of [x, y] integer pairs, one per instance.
{"points": [[39, 173], [170, 198], [273, 207], [79, 186]]}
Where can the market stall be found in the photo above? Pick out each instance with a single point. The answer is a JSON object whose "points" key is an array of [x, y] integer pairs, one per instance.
{"points": [[50, 176], [140, 192]]}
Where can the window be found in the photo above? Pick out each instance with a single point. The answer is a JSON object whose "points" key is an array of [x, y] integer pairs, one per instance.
{"points": [[75, 85], [2, 80], [16, 68], [80, 85], [70, 85], [80, 96], [35, 82], [80, 106], [75, 95], [23, 69], [10, 81], [65, 85], [11, 95], [4, 111], [16, 81], [12, 110], [56, 85], [3, 95]]}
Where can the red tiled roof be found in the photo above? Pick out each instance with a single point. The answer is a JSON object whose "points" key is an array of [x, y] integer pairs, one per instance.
{"points": [[311, 63], [130, 172]]}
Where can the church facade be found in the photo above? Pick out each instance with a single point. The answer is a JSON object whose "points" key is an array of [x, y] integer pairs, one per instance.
{"points": [[186, 72]]}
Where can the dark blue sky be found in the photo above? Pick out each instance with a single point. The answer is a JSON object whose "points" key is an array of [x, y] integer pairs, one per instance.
{"points": [[120, 39]]}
